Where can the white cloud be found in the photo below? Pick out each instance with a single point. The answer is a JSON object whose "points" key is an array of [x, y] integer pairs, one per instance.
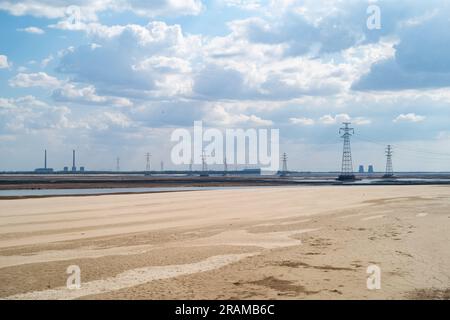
{"points": [[4, 62], [243, 4], [27, 114], [164, 64], [40, 79], [302, 121], [88, 10], [168, 63], [361, 121], [343, 117], [409, 117], [6, 103], [107, 120], [163, 7], [329, 119], [160, 65], [221, 116], [64, 91], [25, 101], [46, 61], [33, 30], [117, 119], [87, 95]]}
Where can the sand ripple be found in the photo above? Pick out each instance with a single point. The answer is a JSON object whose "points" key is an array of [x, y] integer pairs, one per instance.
{"points": [[132, 278]]}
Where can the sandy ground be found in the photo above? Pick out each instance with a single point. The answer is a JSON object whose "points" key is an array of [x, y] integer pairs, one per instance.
{"points": [[270, 243]]}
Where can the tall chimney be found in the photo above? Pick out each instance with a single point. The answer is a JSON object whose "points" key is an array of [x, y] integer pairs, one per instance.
{"points": [[45, 159], [74, 168]]}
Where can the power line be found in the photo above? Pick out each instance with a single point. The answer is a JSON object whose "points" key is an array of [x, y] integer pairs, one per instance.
{"points": [[406, 148], [423, 151], [406, 155]]}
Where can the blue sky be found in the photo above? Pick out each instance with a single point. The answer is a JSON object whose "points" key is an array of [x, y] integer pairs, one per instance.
{"points": [[118, 79]]}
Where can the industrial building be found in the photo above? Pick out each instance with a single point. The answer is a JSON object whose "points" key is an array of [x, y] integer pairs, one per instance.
{"points": [[74, 165], [44, 169]]}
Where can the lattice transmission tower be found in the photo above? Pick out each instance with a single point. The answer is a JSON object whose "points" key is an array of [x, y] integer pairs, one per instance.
{"points": [[204, 165], [389, 169], [147, 165], [284, 169], [347, 164], [190, 167]]}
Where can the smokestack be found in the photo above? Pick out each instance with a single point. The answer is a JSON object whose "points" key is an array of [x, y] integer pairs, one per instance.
{"points": [[74, 168], [45, 159]]}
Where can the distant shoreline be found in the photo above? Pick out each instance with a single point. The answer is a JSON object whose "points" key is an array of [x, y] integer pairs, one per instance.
{"points": [[94, 188], [87, 194], [22, 183]]}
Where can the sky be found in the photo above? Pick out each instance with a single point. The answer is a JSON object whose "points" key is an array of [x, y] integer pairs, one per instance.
{"points": [[114, 78]]}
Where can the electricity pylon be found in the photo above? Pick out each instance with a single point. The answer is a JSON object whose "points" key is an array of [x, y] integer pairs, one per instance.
{"points": [[147, 166], [190, 167], [347, 164], [389, 169], [204, 165], [284, 169]]}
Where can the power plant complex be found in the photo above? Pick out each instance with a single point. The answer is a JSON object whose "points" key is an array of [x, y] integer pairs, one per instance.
{"points": [[47, 170]]}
